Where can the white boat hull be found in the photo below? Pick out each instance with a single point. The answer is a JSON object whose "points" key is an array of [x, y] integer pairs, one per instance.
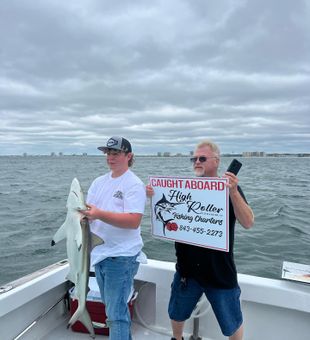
{"points": [[272, 309]]}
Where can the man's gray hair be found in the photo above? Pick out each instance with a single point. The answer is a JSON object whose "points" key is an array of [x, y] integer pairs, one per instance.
{"points": [[211, 145]]}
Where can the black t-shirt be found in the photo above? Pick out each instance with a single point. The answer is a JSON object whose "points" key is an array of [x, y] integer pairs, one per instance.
{"points": [[210, 267]]}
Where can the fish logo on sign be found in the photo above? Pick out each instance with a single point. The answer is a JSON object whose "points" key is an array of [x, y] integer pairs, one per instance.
{"points": [[163, 209]]}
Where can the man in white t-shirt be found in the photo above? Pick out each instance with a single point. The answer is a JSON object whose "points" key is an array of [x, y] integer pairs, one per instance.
{"points": [[116, 204]]}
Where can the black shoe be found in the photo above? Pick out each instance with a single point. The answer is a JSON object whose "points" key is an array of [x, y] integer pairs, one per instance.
{"points": [[176, 339]]}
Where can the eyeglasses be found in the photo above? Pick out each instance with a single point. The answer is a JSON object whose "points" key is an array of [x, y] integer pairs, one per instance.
{"points": [[201, 159]]}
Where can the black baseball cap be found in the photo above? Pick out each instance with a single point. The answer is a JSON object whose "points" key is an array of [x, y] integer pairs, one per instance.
{"points": [[116, 143]]}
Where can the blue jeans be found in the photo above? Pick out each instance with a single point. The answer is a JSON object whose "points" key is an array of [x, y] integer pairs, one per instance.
{"points": [[115, 280]]}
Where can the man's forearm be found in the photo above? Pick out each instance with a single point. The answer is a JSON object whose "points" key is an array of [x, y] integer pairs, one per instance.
{"points": [[243, 212], [121, 220]]}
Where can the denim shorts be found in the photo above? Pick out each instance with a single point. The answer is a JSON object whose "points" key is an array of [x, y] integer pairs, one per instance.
{"points": [[224, 302]]}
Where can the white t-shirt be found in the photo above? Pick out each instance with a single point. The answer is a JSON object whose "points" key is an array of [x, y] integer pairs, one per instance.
{"points": [[122, 194]]}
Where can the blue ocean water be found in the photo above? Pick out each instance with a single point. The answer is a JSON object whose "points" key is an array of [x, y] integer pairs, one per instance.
{"points": [[34, 189]]}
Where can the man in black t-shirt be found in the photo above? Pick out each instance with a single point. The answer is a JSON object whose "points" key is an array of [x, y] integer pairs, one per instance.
{"points": [[201, 270]]}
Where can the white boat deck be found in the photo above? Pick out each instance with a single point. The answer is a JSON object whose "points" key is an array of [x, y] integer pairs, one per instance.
{"points": [[138, 333]]}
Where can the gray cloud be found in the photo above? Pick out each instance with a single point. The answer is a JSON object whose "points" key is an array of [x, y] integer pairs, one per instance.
{"points": [[165, 74]]}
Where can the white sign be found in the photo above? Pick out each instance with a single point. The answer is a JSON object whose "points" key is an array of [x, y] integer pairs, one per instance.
{"points": [[296, 271], [191, 210]]}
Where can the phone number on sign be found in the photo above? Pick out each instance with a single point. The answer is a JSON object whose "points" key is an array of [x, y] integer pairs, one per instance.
{"points": [[209, 232]]}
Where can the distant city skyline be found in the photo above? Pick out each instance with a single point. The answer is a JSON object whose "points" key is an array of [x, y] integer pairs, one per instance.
{"points": [[168, 154]]}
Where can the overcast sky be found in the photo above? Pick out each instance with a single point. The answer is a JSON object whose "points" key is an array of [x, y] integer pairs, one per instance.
{"points": [[164, 74]]}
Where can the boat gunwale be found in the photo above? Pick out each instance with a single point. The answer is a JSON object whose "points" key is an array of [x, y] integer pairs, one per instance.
{"points": [[254, 288]]}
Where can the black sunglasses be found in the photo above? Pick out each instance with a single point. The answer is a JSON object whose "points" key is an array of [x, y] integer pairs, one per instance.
{"points": [[201, 159]]}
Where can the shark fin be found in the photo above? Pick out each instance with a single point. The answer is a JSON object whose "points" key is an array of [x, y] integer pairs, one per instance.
{"points": [[60, 234], [79, 237], [95, 240]]}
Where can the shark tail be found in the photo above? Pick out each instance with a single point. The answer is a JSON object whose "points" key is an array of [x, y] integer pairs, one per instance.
{"points": [[82, 315]]}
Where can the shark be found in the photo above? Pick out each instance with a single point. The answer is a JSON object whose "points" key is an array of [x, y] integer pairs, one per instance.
{"points": [[79, 241]]}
